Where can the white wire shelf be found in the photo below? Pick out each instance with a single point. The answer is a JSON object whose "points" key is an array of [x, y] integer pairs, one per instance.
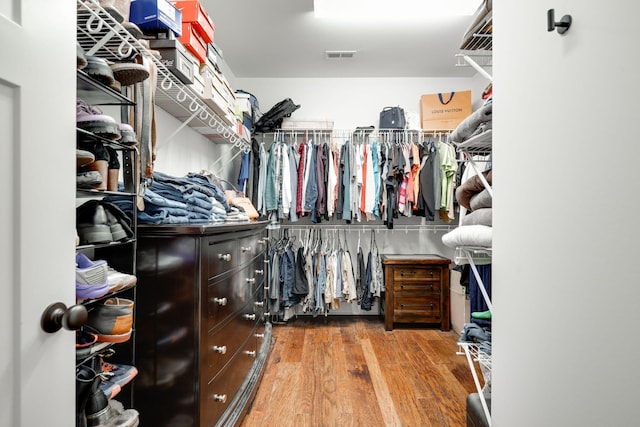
{"points": [[478, 145], [481, 37], [476, 354], [479, 255], [99, 34]]}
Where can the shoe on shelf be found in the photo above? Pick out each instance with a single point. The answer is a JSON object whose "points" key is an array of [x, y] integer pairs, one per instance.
{"points": [[117, 231], [91, 277], [118, 416], [89, 180], [98, 69], [91, 119], [84, 157], [81, 57], [111, 321], [129, 73], [98, 230], [120, 281], [127, 134], [113, 171], [101, 160], [118, 374]]}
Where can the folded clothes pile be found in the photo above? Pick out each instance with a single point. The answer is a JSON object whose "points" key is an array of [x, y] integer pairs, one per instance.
{"points": [[192, 199]]}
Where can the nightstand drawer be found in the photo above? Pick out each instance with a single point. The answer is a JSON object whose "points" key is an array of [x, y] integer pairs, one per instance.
{"points": [[413, 308], [415, 286], [416, 273]]}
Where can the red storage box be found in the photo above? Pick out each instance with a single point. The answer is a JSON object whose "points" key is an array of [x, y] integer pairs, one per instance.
{"points": [[191, 39], [194, 13]]}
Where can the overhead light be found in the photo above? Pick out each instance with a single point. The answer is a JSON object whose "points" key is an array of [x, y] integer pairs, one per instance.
{"points": [[368, 10]]}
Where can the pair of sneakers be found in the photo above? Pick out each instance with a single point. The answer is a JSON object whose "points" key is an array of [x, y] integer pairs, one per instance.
{"points": [[94, 279]]}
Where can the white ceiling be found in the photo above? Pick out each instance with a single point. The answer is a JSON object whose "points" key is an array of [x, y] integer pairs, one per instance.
{"points": [[282, 38]]}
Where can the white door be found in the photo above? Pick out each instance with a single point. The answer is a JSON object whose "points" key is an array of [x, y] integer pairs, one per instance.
{"points": [[565, 227], [37, 220]]}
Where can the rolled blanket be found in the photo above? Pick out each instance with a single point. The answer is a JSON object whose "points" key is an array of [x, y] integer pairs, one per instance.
{"points": [[471, 187], [471, 123]]}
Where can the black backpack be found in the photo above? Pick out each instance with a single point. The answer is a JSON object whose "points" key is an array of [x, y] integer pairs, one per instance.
{"points": [[272, 119]]}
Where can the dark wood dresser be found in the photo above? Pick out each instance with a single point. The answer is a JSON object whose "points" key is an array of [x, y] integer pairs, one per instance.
{"points": [[202, 339], [417, 290]]}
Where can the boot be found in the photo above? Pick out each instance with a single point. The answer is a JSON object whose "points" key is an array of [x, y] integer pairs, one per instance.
{"points": [[113, 171], [85, 378], [97, 409]]}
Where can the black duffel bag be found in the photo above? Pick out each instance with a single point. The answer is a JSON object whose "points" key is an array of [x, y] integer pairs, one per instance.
{"points": [[272, 119]]}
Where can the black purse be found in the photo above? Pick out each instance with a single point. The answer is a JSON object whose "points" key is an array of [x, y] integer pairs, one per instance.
{"points": [[392, 118]]}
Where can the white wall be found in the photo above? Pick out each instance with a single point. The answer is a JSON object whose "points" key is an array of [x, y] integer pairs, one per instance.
{"points": [[351, 102]]}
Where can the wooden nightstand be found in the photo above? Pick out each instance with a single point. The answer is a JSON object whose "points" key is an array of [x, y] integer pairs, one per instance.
{"points": [[417, 290]]}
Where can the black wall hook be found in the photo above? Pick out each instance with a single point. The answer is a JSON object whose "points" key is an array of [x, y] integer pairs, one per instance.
{"points": [[562, 26]]}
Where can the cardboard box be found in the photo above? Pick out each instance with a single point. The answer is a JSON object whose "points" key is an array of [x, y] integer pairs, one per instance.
{"points": [[156, 15], [194, 13], [444, 111], [176, 58], [193, 42]]}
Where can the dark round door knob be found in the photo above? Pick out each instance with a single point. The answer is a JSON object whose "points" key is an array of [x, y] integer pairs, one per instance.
{"points": [[57, 316]]}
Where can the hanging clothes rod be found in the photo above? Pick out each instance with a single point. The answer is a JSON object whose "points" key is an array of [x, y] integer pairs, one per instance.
{"points": [[376, 227]]}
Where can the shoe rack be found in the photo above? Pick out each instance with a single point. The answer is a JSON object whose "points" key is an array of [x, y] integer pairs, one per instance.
{"points": [[120, 255]]}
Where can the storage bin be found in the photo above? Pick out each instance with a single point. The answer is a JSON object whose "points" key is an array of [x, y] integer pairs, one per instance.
{"points": [[176, 58], [156, 15], [194, 13]]}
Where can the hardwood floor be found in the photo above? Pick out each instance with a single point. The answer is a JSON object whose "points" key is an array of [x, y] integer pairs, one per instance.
{"points": [[351, 372]]}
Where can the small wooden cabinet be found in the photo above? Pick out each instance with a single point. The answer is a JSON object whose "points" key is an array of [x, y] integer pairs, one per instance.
{"points": [[417, 290]]}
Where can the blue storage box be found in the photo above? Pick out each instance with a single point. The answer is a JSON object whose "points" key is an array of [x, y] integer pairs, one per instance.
{"points": [[156, 15]]}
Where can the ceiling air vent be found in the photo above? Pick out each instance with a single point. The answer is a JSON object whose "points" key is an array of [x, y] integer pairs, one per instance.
{"points": [[339, 54]]}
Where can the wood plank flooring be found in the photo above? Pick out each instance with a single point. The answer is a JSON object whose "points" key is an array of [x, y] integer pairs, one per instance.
{"points": [[349, 371]]}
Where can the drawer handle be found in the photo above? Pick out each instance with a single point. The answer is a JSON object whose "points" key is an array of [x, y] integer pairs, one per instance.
{"points": [[263, 241], [259, 336], [250, 353], [224, 257], [251, 280], [222, 349], [259, 271], [259, 303], [249, 316], [220, 301], [245, 249], [266, 261], [222, 398]]}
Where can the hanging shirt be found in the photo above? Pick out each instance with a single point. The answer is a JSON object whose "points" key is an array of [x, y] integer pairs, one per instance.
{"points": [[448, 165], [375, 160], [270, 196], [300, 185], [262, 180], [349, 283], [293, 217], [332, 180]]}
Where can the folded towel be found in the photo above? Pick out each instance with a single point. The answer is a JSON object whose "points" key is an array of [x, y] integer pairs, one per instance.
{"points": [[469, 125]]}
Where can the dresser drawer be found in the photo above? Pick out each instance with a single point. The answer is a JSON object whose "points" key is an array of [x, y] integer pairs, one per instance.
{"points": [[221, 256], [221, 390], [416, 273], [416, 308], [422, 286], [225, 297], [224, 343]]}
